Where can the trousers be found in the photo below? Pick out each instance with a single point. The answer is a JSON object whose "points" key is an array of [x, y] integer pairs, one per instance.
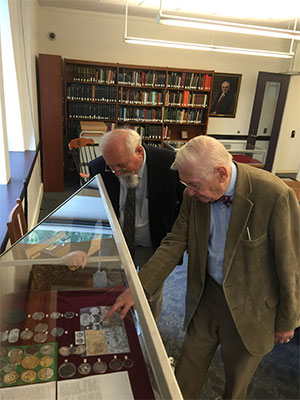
{"points": [[211, 326]]}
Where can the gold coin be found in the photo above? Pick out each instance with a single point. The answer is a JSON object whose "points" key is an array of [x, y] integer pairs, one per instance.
{"points": [[45, 374], [28, 376], [11, 378], [15, 355], [46, 361], [30, 362]]}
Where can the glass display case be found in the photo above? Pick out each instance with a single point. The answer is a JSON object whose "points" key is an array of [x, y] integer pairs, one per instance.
{"points": [[52, 326]]}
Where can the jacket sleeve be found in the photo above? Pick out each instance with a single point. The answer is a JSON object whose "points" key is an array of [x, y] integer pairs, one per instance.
{"points": [[285, 236]]}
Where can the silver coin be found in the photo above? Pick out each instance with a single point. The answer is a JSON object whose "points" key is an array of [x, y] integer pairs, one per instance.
{"points": [[96, 327], [73, 350], [94, 310], [57, 331], [64, 351], [40, 337], [84, 368], [79, 337], [67, 370], [80, 349], [69, 314], [13, 336], [95, 318], [4, 336], [32, 349], [99, 367], [42, 327], [26, 334], [47, 349], [85, 319], [38, 315], [128, 363], [55, 315], [8, 368]]}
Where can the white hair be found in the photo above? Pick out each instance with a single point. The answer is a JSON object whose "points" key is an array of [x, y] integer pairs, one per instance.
{"points": [[128, 137], [203, 154]]}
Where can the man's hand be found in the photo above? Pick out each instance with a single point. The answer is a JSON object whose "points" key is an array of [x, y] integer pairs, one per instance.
{"points": [[76, 259], [283, 337], [121, 305]]}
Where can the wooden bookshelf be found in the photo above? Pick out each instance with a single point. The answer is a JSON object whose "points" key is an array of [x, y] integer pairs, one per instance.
{"points": [[161, 103]]}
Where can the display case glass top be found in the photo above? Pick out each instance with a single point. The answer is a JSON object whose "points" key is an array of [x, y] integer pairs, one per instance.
{"points": [[53, 328]]}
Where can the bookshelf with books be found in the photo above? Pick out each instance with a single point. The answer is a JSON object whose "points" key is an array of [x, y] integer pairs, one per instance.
{"points": [[161, 103]]}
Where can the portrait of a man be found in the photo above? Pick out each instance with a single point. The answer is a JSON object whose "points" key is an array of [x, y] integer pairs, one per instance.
{"points": [[224, 95]]}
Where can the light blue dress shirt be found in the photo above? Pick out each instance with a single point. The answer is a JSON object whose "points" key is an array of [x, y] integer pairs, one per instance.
{"points": [[219, 221]]}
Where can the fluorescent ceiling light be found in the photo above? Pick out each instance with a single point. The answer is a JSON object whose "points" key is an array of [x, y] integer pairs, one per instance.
{"points": [[227, 27], [205, 47]]}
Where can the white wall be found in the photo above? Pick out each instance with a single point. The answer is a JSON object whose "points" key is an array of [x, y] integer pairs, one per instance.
{"points": [[99, 37]]}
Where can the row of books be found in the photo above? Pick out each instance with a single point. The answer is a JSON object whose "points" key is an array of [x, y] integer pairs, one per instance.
{"points": [[140, 114], [142, 78], [140, 96], [91, 111], [82, 73], [175, 143], [91, 92], [189, 80], [186, 99], [149, 131], [184, 116], [73, 128]]}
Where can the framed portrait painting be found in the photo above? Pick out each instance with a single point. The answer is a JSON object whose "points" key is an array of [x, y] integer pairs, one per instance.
{"points": [[225, 92]]}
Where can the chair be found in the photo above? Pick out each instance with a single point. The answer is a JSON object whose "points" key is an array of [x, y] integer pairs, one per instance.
{"points": [[83, 151], [16, 225]]}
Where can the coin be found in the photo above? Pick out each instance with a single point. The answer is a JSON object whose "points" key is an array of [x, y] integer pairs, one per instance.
{"points": [[28, 376], [11, 378], [57, 331], [26, 334], [69, 314], [128, 363], [46, 361], [73, 350], [13, 336], [94, 310], [40, 337], [115, 364], [84, 368], [15, 316], [4, 336], [45, 374], [32, 349], [42, 327], [80, 349], [9, 368], [67, 370], [64, 351], [85, 319], [95, 318], [55, 315], [3, 352], [30, 362], [38, 315], [15, 355], [99, 367], [47, 349]]}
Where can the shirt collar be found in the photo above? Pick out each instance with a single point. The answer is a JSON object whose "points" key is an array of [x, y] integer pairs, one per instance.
{"points": [[231, 187], [142, 169]]}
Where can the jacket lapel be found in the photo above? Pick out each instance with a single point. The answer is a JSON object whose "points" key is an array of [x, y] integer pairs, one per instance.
{"points": [[241, 210]]}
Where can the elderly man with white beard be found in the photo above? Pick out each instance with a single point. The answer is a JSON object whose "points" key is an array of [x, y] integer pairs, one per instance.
{"points": [[126, 163]]}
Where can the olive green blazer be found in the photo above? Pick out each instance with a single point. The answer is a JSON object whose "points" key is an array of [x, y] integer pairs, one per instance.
{"points": [[261, 275]]}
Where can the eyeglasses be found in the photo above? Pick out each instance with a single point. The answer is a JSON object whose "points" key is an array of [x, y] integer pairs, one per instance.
{"points": [[193, 186], [117, 168]]}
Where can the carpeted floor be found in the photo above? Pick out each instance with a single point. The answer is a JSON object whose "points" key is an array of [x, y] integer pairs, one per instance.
{"points": [[277, 377]]}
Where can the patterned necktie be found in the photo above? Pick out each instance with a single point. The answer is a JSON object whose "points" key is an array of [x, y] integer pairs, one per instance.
{"points": [[129, 220], [225, 200]]}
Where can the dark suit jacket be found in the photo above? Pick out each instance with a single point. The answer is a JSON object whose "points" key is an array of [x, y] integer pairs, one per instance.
{"points": [[261, 275], [226, 104], [164, 190]]}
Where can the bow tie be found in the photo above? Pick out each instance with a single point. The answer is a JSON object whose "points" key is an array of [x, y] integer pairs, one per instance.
{"points": [[225, 200]]}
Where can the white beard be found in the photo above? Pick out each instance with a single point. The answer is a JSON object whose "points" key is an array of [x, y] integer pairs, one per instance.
{"points": [[131, 180]]}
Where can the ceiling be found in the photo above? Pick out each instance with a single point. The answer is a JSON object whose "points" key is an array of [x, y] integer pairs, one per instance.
{"points": [[272, 13]]}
